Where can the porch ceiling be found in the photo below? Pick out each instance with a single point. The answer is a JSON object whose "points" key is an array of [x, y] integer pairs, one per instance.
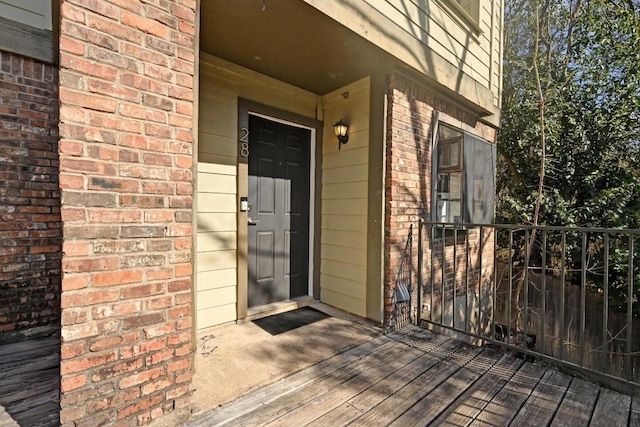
{"points": [[288, 40]]}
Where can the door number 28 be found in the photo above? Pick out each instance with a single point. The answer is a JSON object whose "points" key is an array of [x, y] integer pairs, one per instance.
{"points": [[244, 142]]}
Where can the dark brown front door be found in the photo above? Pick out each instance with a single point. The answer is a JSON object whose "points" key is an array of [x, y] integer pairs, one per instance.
{"points": [[279, 216]]}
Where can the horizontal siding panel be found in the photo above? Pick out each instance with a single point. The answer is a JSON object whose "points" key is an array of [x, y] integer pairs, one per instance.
{"points": [[346, 190], [340, 207], [225, 123], [342, 286], [345, 239], [437, 30], [217, 279], [208, 222], [210, 163], [355, 173], [215, 183], [214, 91], [218, 260], [216, 202], [353, 156], [355, 273], [344, 254], [216, 297], [217, 144], [217, 241], [344, 302], [215, 316], [357, 223]]}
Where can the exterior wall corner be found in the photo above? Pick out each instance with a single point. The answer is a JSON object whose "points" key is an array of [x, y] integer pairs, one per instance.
{"points": [[126, 182]]}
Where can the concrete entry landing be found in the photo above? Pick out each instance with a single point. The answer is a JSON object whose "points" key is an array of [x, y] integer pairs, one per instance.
{"points": [[235, 359]]}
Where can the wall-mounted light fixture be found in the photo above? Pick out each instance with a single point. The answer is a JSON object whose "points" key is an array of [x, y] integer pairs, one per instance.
{"points": [[341, 129]]}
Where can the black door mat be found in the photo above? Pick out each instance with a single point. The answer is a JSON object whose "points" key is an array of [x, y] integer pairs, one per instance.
{"points": [[290, 320]]}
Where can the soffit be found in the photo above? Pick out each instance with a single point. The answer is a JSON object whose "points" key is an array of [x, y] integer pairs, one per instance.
{"points": [[290, 41]]}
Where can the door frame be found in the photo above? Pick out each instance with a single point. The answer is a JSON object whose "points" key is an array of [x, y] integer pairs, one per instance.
{"points": [[246, 108]]}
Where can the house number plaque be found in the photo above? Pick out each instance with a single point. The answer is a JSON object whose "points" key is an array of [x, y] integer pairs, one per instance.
{"points": [[244, 142]]}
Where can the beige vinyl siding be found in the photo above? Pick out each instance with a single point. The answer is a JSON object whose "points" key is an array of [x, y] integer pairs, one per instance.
{"points": [[434, 26], [343, 269], [35, 13], [221, 84], [436, 38]]}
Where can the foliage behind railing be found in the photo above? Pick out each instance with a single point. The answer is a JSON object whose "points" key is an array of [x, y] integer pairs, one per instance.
{"points": [[572, 299]]}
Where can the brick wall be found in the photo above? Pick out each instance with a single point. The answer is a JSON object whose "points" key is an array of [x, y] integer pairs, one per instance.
{"points": [[411, 109], [126, 108], [29, 198]]}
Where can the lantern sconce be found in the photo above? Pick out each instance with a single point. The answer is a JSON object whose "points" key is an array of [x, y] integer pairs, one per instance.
{"points": [[341, 129]]}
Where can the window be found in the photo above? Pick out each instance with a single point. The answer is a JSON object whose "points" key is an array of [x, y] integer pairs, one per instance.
{"points": [[465, 12], [471, 7], [464, 177]]}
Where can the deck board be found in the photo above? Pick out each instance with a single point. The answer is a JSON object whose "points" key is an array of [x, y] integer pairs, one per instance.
{"points": [[30, 381], [369, 398], [320, 405], [433, 404], [634, 416], [612, 409], [291, 402], [398, 403], [578, 404], [416, 378], [470, 404], [505, 405], [542, 404]]}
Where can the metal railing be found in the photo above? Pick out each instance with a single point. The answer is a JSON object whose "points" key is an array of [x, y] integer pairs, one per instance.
{"points": [[564, 295]]}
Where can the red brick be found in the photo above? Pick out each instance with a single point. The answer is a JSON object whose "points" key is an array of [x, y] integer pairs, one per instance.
{"points": [[178, 365], [184, 270], [114, 215], [156, 386], [74, 249], [117, 369], [74, 282], [140, 405], [159, 274], [85, 100], [71, 148], [106, 343], [116, 278], [84, 363], [89, 265], [116, 310], [141, 377], [88, 297], [72, 46], [143, 24], [71, 182], [72, 382], [159, 357]]}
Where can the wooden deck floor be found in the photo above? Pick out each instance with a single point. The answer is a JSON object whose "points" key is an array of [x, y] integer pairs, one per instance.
{"points": [[417, 378], [29, 381]]}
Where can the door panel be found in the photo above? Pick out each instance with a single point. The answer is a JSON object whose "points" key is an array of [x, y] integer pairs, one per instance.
{"points": [[279, 227]]}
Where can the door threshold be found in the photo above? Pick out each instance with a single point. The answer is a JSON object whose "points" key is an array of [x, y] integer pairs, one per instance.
{"points": [[265, 310]]}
